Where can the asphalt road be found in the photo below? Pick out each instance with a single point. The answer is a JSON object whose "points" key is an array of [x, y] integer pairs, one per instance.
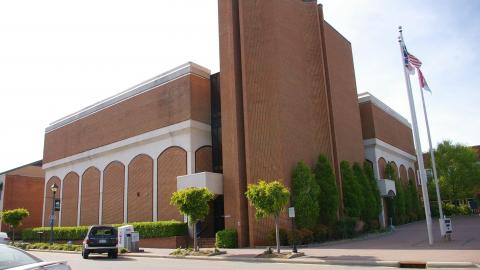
{"points": [[127, 263]]}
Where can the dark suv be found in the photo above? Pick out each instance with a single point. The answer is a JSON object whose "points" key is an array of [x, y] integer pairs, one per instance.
{"points": [[100, 239]]}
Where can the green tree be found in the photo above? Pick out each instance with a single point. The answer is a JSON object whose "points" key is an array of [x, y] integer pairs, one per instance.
{"points": [[351, 191], [368, 202], [329, 198], [458, 169], [268, 199], [372, 182], [399, 210], [305, 191], [416, 208], [193, 202], [14, 218]]}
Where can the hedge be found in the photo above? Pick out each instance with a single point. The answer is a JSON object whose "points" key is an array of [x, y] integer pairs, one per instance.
{"points": [[145, 229], [226, 238]]}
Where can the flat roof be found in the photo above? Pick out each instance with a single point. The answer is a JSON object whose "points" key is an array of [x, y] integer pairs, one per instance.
{"points": [[37, 163], [367, 97], [187, 68]]}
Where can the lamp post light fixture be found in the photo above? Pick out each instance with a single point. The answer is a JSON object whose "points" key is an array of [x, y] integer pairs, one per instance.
{"points": [[54, 189]]}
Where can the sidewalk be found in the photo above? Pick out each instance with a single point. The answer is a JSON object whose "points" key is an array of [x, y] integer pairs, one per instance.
{"points": [[406, 243]]}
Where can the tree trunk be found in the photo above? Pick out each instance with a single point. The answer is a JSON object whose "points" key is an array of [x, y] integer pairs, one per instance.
{"points": [[195, 246], [277, 234], [13, 235]]}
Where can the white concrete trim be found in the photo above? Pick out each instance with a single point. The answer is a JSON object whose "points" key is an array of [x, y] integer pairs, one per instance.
{"points": [[2, 194], [145, 137], [155, 190], [79, 202], [125, 196], [367, 97], [44, 200], [209, 180], [100, 203], [388, 147], [61, 203], [175, 73]]}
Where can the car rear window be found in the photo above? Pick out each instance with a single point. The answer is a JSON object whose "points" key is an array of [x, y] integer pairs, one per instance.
{"points": [[103, 232], [11, 257], [3, 235]]}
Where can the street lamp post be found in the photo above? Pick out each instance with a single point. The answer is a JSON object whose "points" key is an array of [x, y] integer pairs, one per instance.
{"points": [[54, 189]]}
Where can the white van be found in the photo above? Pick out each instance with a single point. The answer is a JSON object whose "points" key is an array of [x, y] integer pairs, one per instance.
{"points": [[4, 238]]}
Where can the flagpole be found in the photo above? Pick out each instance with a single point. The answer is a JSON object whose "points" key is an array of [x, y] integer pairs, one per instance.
{"points": [[416, 136], [432, 155]]}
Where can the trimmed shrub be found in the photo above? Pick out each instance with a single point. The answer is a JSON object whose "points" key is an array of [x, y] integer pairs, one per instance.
{"points": [[329, 198], [372, 183], [283, 237], [302, 237], [305, 191], [346, 228], [321, 233], [226, 238], [145, 229], [351, 191]]}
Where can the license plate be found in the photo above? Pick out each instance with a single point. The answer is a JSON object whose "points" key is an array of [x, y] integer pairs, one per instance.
{"points": [[102, 241]]}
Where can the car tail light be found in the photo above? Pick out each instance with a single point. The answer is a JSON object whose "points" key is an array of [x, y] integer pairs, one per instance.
{"points": [[6, 239]]}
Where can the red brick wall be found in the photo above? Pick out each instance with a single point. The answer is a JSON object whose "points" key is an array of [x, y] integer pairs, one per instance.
{"points": [[233, 142], [403, 174], [70, 199], [113, 190], [203, 159], [343, 96], [24, 192], [376, 123], [49, 201], [185, 98], [381, 167], [411, 175], [90, 201], [171, 163], [140, 185]]}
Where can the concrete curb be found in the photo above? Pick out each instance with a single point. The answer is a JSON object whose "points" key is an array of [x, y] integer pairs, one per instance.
{"points": [[291, 261]]}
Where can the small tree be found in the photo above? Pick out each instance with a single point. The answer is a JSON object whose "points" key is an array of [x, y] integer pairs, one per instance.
{"points": [[268, 199], [368, 170], [193, 202], [367, 198], [399, 209], [305, 192], [351, 191], [329, 198], [14, 218]]}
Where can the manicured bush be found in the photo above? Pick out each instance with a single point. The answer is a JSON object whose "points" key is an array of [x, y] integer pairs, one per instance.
{"points": [[463, 209], [305, 192], [329, 198], [145, 229], [351, 191], [372, 183], [321, 233], [367, 200], [283, 237], [302, 237], [226, 238], [345, 228]]}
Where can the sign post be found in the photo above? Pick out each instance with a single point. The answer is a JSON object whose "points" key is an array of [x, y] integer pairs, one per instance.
{"points": [[291, 215]]}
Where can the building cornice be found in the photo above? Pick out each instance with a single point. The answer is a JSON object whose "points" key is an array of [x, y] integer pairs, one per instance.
{"points": [[139, 139], [374, 142], [367, 97], [175, 73]]}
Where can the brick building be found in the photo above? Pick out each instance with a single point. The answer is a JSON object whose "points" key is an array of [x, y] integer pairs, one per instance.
{"points": [[22, 187], [286, 92]]}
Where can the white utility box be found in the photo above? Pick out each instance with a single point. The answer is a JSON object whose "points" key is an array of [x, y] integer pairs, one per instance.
{"points": [[446, 227], [125, 236]]}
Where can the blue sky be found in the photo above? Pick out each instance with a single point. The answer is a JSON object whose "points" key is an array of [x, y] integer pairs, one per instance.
{"points": [[58, 57]]}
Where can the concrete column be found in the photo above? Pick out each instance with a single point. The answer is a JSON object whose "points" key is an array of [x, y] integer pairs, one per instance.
{"points": [[381, 217], [100, 203], [155, 189], [125, 196], [61, 203], [190, 162], [44, 200], [79, 203]]}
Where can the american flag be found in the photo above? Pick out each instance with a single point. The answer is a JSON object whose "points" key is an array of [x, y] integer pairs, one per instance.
{"points": [[406, 60], [414, 60]]}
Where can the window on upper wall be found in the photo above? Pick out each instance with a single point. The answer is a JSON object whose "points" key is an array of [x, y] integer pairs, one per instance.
{"points": [[1, 190]]}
